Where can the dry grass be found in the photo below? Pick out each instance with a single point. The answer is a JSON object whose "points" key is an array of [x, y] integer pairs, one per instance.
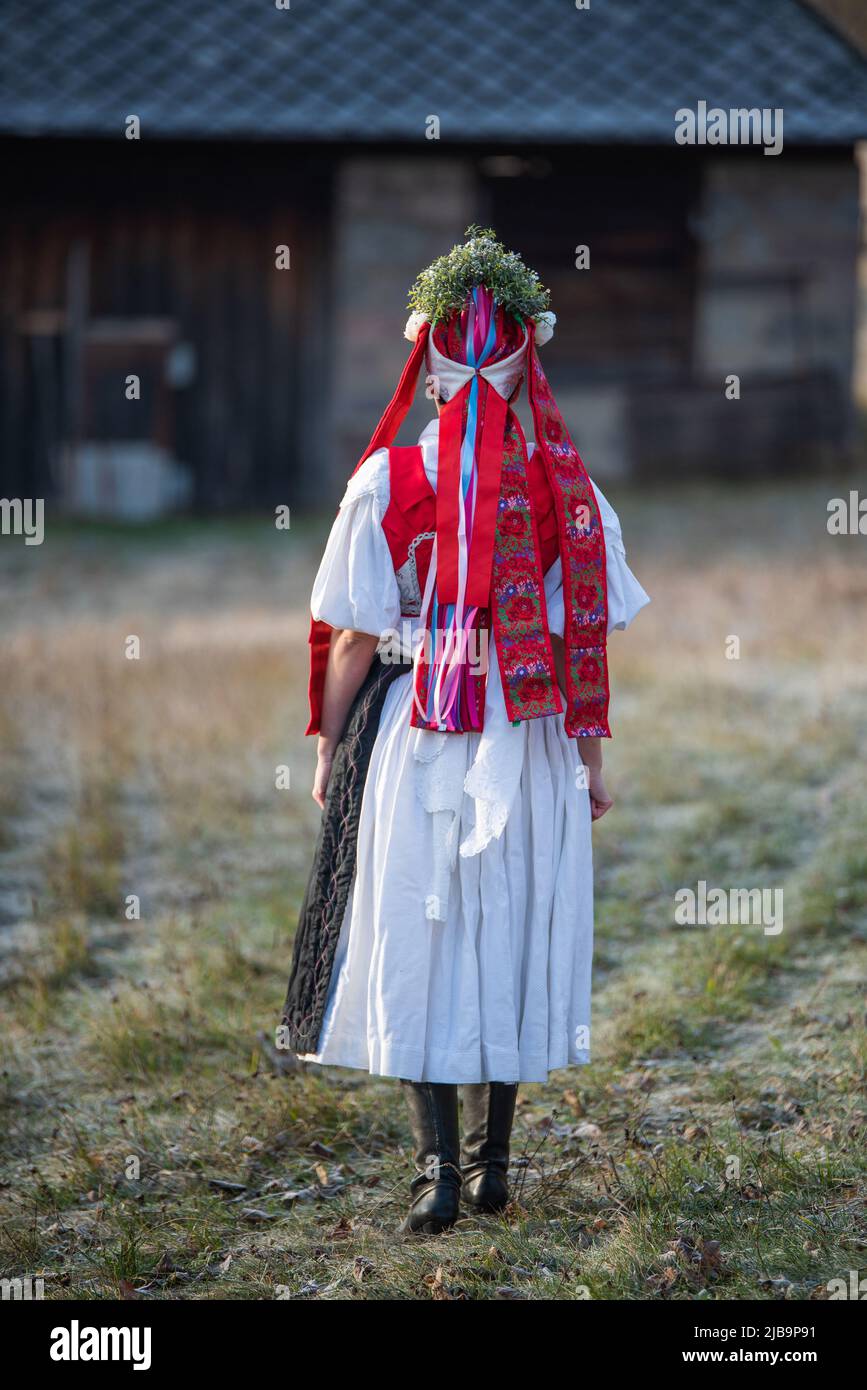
{"points": [[715, 1148]]}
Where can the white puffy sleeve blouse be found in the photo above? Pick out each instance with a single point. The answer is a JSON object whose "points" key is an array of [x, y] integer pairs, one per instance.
{"points": [[356, 585]]}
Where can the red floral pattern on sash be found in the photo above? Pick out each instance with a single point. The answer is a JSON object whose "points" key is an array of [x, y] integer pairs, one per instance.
{"points": [[582, 554], [520, 615]]}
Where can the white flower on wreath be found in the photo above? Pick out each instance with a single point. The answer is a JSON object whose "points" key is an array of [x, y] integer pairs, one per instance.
{"points": [[413, 325], [545, 327]]}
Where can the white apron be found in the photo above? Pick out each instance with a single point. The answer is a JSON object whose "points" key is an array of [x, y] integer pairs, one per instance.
{"points": [[465, 951]]}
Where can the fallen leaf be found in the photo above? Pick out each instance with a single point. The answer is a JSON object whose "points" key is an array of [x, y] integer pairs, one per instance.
{"points": [[573, 1100], [436, 1284]]}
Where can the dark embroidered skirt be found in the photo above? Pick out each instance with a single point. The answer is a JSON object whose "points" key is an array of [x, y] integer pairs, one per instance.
{"points": [[331, 876]]}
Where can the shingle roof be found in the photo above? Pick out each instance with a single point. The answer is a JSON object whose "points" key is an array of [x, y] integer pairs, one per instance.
{"points": [[366, 70]]}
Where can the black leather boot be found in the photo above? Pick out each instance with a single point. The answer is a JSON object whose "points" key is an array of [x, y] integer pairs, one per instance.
{"points": [[436, 1189], [489, 1110]]}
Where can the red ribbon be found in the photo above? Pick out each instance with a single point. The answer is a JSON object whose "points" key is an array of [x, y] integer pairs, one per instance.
{"points": [[493, 410], [481, 557], [449, 495]]}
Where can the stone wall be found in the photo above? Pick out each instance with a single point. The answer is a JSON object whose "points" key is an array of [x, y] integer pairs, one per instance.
{"points": [[778, 243], [775, 304], [393, 215]]}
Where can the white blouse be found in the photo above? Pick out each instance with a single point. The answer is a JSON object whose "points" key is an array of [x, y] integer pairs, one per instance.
{"points": [[356, 588]]}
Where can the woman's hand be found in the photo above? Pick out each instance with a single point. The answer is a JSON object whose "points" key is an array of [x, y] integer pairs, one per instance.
{"points": [[590, 751], [324, 760], [600, 801]]}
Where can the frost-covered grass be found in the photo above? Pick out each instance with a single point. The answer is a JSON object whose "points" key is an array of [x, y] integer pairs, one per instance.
{"points": [[715, 1147]]}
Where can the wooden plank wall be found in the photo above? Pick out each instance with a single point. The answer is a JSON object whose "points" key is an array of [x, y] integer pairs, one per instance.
{"points": [[182, 233]]}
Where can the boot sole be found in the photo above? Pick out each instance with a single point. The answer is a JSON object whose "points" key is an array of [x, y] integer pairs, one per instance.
{"points": [[430, 1228]]}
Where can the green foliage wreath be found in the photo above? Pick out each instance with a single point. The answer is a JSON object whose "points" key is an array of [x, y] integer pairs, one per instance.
{"points": [[482, 259]]}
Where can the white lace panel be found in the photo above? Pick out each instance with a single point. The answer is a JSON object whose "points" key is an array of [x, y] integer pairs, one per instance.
{"points": [[407, 577]]}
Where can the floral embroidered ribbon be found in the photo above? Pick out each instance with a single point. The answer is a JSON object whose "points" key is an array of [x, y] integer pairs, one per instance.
{"points": [[582, 555]]}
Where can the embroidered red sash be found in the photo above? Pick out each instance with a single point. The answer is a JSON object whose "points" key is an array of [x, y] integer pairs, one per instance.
{"points": [[582, 553]]}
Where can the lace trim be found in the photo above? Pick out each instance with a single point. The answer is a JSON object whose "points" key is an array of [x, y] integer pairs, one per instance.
{"points": [[492, 782], [407, 577], [370, 479]]}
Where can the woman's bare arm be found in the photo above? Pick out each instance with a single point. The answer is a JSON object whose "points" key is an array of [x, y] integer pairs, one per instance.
{"points": [[590, 749], [349, 657]]}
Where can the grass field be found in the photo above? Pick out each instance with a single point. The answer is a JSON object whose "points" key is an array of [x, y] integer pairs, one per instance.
{"points": [[153, 1147]]}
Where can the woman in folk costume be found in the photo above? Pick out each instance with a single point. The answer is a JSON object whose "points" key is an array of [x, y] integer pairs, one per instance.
{"points": [[459, 688]]}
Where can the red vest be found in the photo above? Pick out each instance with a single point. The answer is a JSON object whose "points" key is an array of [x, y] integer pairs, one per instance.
{"points": [[411, 511]]}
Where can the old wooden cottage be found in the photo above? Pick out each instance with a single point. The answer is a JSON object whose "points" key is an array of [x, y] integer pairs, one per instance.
{"points": [[212, 216]]}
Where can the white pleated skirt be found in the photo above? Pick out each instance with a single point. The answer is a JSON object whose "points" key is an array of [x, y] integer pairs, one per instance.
{"points": [[500, 990]]}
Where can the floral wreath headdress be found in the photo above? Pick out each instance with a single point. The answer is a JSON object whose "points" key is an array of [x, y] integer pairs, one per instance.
{"points": [[481, 259]]}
